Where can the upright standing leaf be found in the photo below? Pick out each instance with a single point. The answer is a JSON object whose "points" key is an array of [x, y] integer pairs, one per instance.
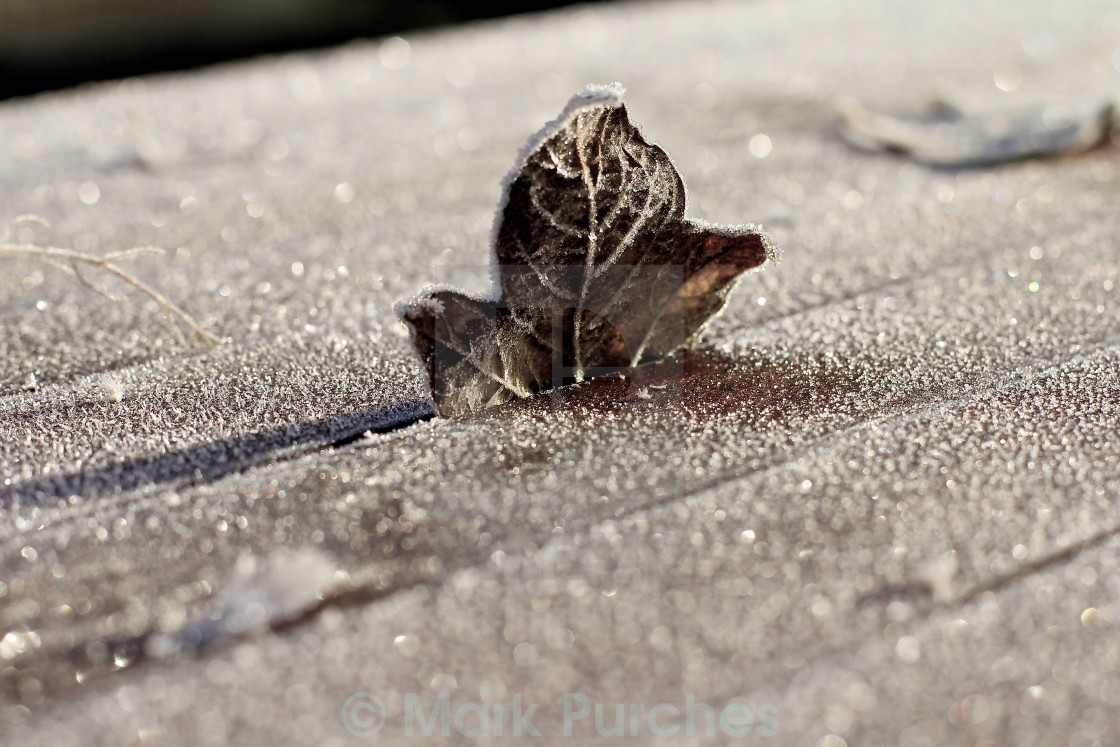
{"points": [[597, 267]]}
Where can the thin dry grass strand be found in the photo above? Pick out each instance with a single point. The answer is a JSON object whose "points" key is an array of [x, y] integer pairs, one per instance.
{"points": [[25, 219], [70, 260]]}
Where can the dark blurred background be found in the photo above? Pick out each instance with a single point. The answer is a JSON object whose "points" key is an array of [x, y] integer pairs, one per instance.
{"points": [[50, 44]]}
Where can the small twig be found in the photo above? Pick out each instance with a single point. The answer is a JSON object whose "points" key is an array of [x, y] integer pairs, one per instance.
{"points": [[59, 257], [29, 218]]}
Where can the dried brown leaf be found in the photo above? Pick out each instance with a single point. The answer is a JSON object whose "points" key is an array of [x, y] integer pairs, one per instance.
{"points": [[597, 267]]}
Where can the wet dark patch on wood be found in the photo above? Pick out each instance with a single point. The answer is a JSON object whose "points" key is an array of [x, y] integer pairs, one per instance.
{"points": [[705, 384]]}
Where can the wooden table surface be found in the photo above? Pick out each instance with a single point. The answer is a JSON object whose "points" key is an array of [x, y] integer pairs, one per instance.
{"points": [[877, 507]]}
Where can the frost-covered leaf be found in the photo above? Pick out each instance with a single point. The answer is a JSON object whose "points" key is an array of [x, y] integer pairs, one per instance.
{"points": [[946, 137], [596, 267]]}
